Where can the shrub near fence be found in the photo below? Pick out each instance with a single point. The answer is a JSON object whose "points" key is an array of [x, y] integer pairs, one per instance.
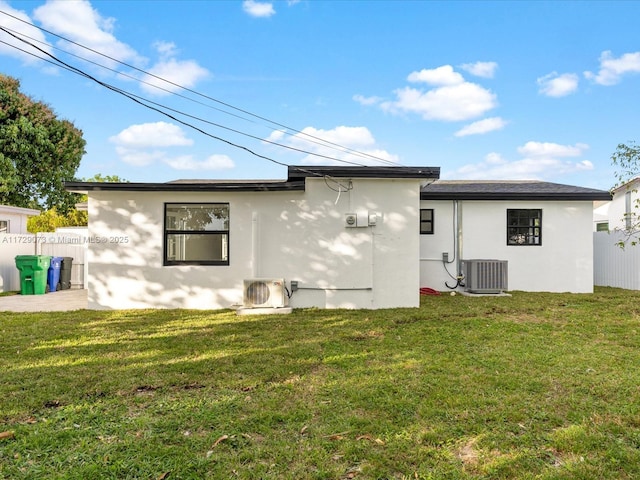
{"points": [[59, 244]]}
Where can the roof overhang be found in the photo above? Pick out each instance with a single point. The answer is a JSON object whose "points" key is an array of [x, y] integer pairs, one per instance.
{"points": [[426, 173], [19, 210], [295, 181], [181, 186]]}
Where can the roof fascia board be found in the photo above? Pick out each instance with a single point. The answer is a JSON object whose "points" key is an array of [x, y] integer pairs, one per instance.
{"points": [[586, 196], [85, 187], [295, 172], [19, 210]]}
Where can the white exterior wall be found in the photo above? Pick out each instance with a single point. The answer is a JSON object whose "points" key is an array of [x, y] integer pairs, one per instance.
{"points": [[17, 217], [563, 263], [291, 235], [617, 206]]}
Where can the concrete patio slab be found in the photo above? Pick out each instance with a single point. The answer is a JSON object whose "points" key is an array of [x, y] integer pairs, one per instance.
{"points": [[60, 301]]}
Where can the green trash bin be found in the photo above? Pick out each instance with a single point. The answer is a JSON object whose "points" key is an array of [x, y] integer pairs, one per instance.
{"points": [[33, 273]]}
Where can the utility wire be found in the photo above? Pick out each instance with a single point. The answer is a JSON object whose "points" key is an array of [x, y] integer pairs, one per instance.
{"points": [[141, 101], [147, 103], [315, 139], [129, 96]]}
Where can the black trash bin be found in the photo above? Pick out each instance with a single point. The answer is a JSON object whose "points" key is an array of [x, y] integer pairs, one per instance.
{"points": [[65, 273]]}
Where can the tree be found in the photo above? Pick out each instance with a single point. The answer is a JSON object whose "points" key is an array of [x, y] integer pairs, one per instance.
{"points": [[627, 160], [51, 219], [38, 151], [98, 177]]}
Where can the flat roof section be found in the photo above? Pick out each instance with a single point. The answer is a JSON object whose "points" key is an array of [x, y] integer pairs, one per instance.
{"points": [[294, 182]]}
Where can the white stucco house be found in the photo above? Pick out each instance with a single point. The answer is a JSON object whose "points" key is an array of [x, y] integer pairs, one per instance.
{"points": [[622, 211], [542, 231], [14, 219], [330, 237], [346, 235]]}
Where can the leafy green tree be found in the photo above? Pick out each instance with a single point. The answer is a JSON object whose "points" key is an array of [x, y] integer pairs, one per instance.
{"points": [[627, 160], [38, 151], [98, 177], [51, 219]]}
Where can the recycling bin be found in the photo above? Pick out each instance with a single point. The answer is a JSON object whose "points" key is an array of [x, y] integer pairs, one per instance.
{"points": [[53, 275], [65, 273], [33, 273]]}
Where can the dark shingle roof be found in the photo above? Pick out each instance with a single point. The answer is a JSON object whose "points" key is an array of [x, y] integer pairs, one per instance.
{"points": [[508, 190]]}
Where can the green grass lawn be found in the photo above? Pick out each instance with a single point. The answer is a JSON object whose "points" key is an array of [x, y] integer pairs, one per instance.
{"points": [[543, 386]]}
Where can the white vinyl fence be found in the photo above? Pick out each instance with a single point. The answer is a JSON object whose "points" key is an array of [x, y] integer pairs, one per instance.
{"points": [[612, 265], [59, 244]]}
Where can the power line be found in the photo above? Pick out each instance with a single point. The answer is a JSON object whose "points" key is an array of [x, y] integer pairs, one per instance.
{"points": [[146, 102], [56, 61], [323, 142]]}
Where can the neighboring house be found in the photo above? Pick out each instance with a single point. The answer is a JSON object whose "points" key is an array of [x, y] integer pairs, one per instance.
{"points": [[542, 230], [14, 219], [353, 237], [617, 238], [347, 235], [623, 211], [601, 215]]}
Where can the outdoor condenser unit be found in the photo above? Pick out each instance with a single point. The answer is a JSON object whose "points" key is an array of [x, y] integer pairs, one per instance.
{"points": [[264, 293], [485, 276]]}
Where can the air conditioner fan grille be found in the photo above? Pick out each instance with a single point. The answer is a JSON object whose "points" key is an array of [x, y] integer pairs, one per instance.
{"points": [[258, 293]]}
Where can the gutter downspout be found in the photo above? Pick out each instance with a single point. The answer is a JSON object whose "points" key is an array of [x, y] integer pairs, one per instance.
{"points": [[458, 215]]}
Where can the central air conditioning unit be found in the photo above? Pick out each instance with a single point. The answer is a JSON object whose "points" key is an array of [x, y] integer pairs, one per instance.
{"points": [[264, 293], [485, 276]]}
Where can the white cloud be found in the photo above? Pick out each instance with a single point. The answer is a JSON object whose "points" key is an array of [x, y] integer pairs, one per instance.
{"points": [[481, 69], [187, 162], [165, 49], [20, 28], [450, 103], [612, 69], [139, 158], [159, 134], [555, 85], [258, 9], [168, 75], [452, 99], [79, 22], [362, 100], [144, 144], [540, 161], [548, 149], [317, 141], [482, 126], [444, 75]]}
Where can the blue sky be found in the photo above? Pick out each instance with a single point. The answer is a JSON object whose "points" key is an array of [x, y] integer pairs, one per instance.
{"points": [[484, 90]]}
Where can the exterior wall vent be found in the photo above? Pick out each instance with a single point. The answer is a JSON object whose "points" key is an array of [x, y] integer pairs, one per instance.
{"points": [[485, 276], [264, 293]]}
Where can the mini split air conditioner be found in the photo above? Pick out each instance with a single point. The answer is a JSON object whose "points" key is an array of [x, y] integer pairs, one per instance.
{"points": [[264, 293]]}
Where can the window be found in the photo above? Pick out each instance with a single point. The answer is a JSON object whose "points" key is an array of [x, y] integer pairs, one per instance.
{"points": [[602, 227], [524, 226], [196, 234], [4, 226], [426, 221]]}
